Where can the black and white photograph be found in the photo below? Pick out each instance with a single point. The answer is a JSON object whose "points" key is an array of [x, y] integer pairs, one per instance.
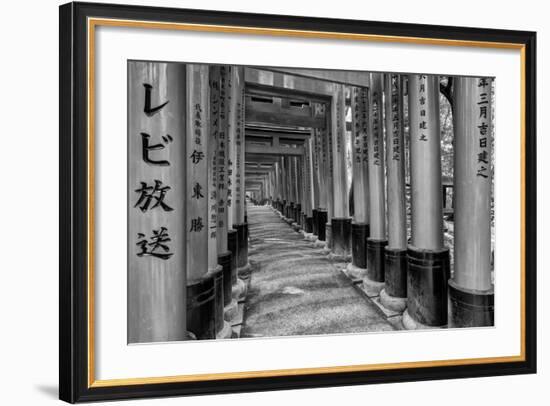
{"points": [[270, 201]]}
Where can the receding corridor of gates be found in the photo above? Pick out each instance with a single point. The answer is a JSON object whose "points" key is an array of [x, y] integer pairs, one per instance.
{"points": [[296, 289], [312, 202]]}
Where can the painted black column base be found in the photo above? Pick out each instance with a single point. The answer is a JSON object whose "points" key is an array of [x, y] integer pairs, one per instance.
{"points": [[395, 271], [201, 308], [427, 280], [297, 211], [469, 308], [218, 297], [224, 259], [242, 244], [373, 282], [359, 235], [322, 219], [233, 246], [341, 238], [315, 224], [289, 210], [375, 259], [309, 225], [394, 295]]}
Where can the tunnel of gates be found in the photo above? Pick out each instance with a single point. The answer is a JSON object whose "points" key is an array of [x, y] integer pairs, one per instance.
{"points": [[352, 159]]}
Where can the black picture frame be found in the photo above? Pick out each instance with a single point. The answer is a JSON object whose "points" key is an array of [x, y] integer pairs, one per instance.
{"points": [[74, 200]]}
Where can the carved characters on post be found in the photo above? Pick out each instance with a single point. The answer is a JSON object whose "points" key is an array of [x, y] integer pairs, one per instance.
{"points": [[151, 196]]}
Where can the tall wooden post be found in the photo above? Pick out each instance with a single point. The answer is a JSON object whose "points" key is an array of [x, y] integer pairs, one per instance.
{"points": [[219, 257], [298, 183], [200, 282], [329, 134], [340, 222], [315, 155], [278, 189], [284, 186], [156, 202], [308, 187], [428, 259], [374, 281], [238, 200], [292, 185], [324, 173], [360, 181], [218, 156], [471, 290], [394, 294], [291, 177]]}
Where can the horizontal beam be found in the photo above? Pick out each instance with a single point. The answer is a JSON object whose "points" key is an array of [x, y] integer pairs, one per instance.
{"points": [[253, 166], [257, 173], [272, 113], [272, 151], [354, 78], [291, 85], [302, 135]]}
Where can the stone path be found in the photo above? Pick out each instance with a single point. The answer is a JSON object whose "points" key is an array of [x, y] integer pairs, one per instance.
{"points": [[295, 289]]}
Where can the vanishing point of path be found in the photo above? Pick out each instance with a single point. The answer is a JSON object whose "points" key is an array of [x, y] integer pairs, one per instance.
{"points": [[295, 289]]}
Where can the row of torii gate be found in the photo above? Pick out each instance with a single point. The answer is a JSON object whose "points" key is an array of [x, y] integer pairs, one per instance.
{"points": [[307, 182], [280, 136]]}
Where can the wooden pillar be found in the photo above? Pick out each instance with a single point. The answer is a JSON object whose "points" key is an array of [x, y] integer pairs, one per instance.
{"points": [[315, 156], [238, 192], [219, 257], [200, 282], [394, 294], [340, 222], [324, 174], [291, 178], [471, 290], [377, 196], [278, 189], [156, 203], [284, 185], [329, 172], [296, 188], [220, 77], [301, 168], [428, 259], [360, 180], [309, 198]]}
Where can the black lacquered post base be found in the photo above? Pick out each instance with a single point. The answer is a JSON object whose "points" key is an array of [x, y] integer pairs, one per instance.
{"points": [[395, 269], [309, 225], [224, 260], [242, 244], [375, 259], [468, 308], [232, 246], [427, 276], [322, 218], [289, 210], [201, 308], [297, 211], [315, 223], [283, 207], [218, 298], [341, 237], [359, 235]]}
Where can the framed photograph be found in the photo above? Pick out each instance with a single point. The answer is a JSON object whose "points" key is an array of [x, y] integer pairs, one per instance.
{"points": [[257, 202]]}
